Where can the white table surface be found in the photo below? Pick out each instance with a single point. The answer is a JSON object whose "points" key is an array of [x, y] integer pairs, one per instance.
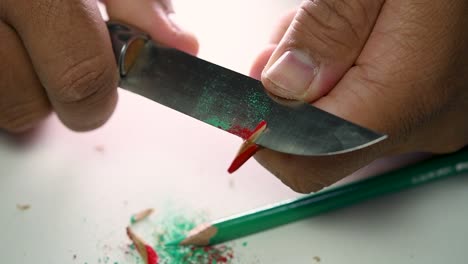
{"points": [[82, 187]]}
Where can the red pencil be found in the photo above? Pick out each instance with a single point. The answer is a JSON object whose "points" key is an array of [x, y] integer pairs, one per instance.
{"points": [[248, 148], [146, 252]]}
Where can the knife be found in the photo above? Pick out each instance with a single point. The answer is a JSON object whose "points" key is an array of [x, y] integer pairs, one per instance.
{"points": [[229, 100]]}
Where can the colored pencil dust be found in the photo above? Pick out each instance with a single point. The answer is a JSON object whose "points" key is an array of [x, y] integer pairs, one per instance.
{"points": [[171, 225], [248, 148], [141, 215], [177, 226], [146, 252]]}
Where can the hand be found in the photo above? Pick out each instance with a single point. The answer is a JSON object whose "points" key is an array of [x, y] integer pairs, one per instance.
{"points": [[399, 67], [57, 55]]}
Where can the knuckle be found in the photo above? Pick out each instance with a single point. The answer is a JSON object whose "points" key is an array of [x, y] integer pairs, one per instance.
{"points": [[369, 84], [295, 186], [84, 79], [340, 23], [449, 147], [306, 188], [401, 123], [302, 184], [50, 12], [21, 117]]}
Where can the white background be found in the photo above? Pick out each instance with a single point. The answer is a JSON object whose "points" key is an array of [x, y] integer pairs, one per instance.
{"points": [[83, 187]]}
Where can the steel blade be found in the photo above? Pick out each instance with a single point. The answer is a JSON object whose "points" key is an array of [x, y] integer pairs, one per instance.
{"points": [[237, 103]]}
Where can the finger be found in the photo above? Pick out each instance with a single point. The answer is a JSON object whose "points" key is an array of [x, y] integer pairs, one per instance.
{"points": [[388, 83], [261, 60], [23, 101], [388, 92], [310, 174], [71, 52], [320, 45], [157, 18], [278, 33], [282, 26]]}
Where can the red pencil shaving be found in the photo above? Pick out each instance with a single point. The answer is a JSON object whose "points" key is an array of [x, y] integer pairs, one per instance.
{"points": [[248, 148], [146, 252]]}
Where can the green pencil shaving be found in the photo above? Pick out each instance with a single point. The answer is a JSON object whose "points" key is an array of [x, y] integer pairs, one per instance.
{"points": [[140, 216], [261, 219]]}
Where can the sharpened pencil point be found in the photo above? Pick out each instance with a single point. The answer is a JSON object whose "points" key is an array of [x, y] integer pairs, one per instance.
{"points": [[174, 243], [243, 157], [248, 148], [141, 216]]}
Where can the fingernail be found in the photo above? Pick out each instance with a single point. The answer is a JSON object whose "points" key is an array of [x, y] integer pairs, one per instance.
{"points": [[292, 74]]}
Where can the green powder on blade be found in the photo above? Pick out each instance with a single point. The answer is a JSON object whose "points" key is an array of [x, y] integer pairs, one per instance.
{"points": [[261, 105], [217, 122]]}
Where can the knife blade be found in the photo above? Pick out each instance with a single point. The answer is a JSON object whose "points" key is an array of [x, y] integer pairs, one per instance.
{"points": [[229, 100]]}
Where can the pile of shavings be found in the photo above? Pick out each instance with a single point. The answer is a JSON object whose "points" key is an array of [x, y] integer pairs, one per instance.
{"points": [[172, 225]]}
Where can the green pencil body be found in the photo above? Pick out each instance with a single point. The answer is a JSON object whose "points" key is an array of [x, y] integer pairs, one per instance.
{"points": [[289, 211]]}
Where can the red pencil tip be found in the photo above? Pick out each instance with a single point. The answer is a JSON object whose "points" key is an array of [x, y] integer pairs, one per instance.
{"points": [[147, 253], [248, 148], [153, 257], [243, 157]]}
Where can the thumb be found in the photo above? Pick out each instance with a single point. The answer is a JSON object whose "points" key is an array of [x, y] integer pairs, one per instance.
{"points": [[321, 44], [155, 17]]}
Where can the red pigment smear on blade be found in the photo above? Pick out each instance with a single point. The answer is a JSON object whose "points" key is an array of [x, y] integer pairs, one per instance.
{"points": [[240, 131], [243, 158], [152, 255], [245, 133]]}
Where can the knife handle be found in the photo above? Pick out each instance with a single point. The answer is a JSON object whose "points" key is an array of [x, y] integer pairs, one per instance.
{"points": [[127, 43]]}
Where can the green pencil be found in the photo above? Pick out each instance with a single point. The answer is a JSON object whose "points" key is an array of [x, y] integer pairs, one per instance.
{"points": [[292, 210]]}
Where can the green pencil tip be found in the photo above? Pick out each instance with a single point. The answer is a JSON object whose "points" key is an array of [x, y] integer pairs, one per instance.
{"points": [[174, 243]]}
